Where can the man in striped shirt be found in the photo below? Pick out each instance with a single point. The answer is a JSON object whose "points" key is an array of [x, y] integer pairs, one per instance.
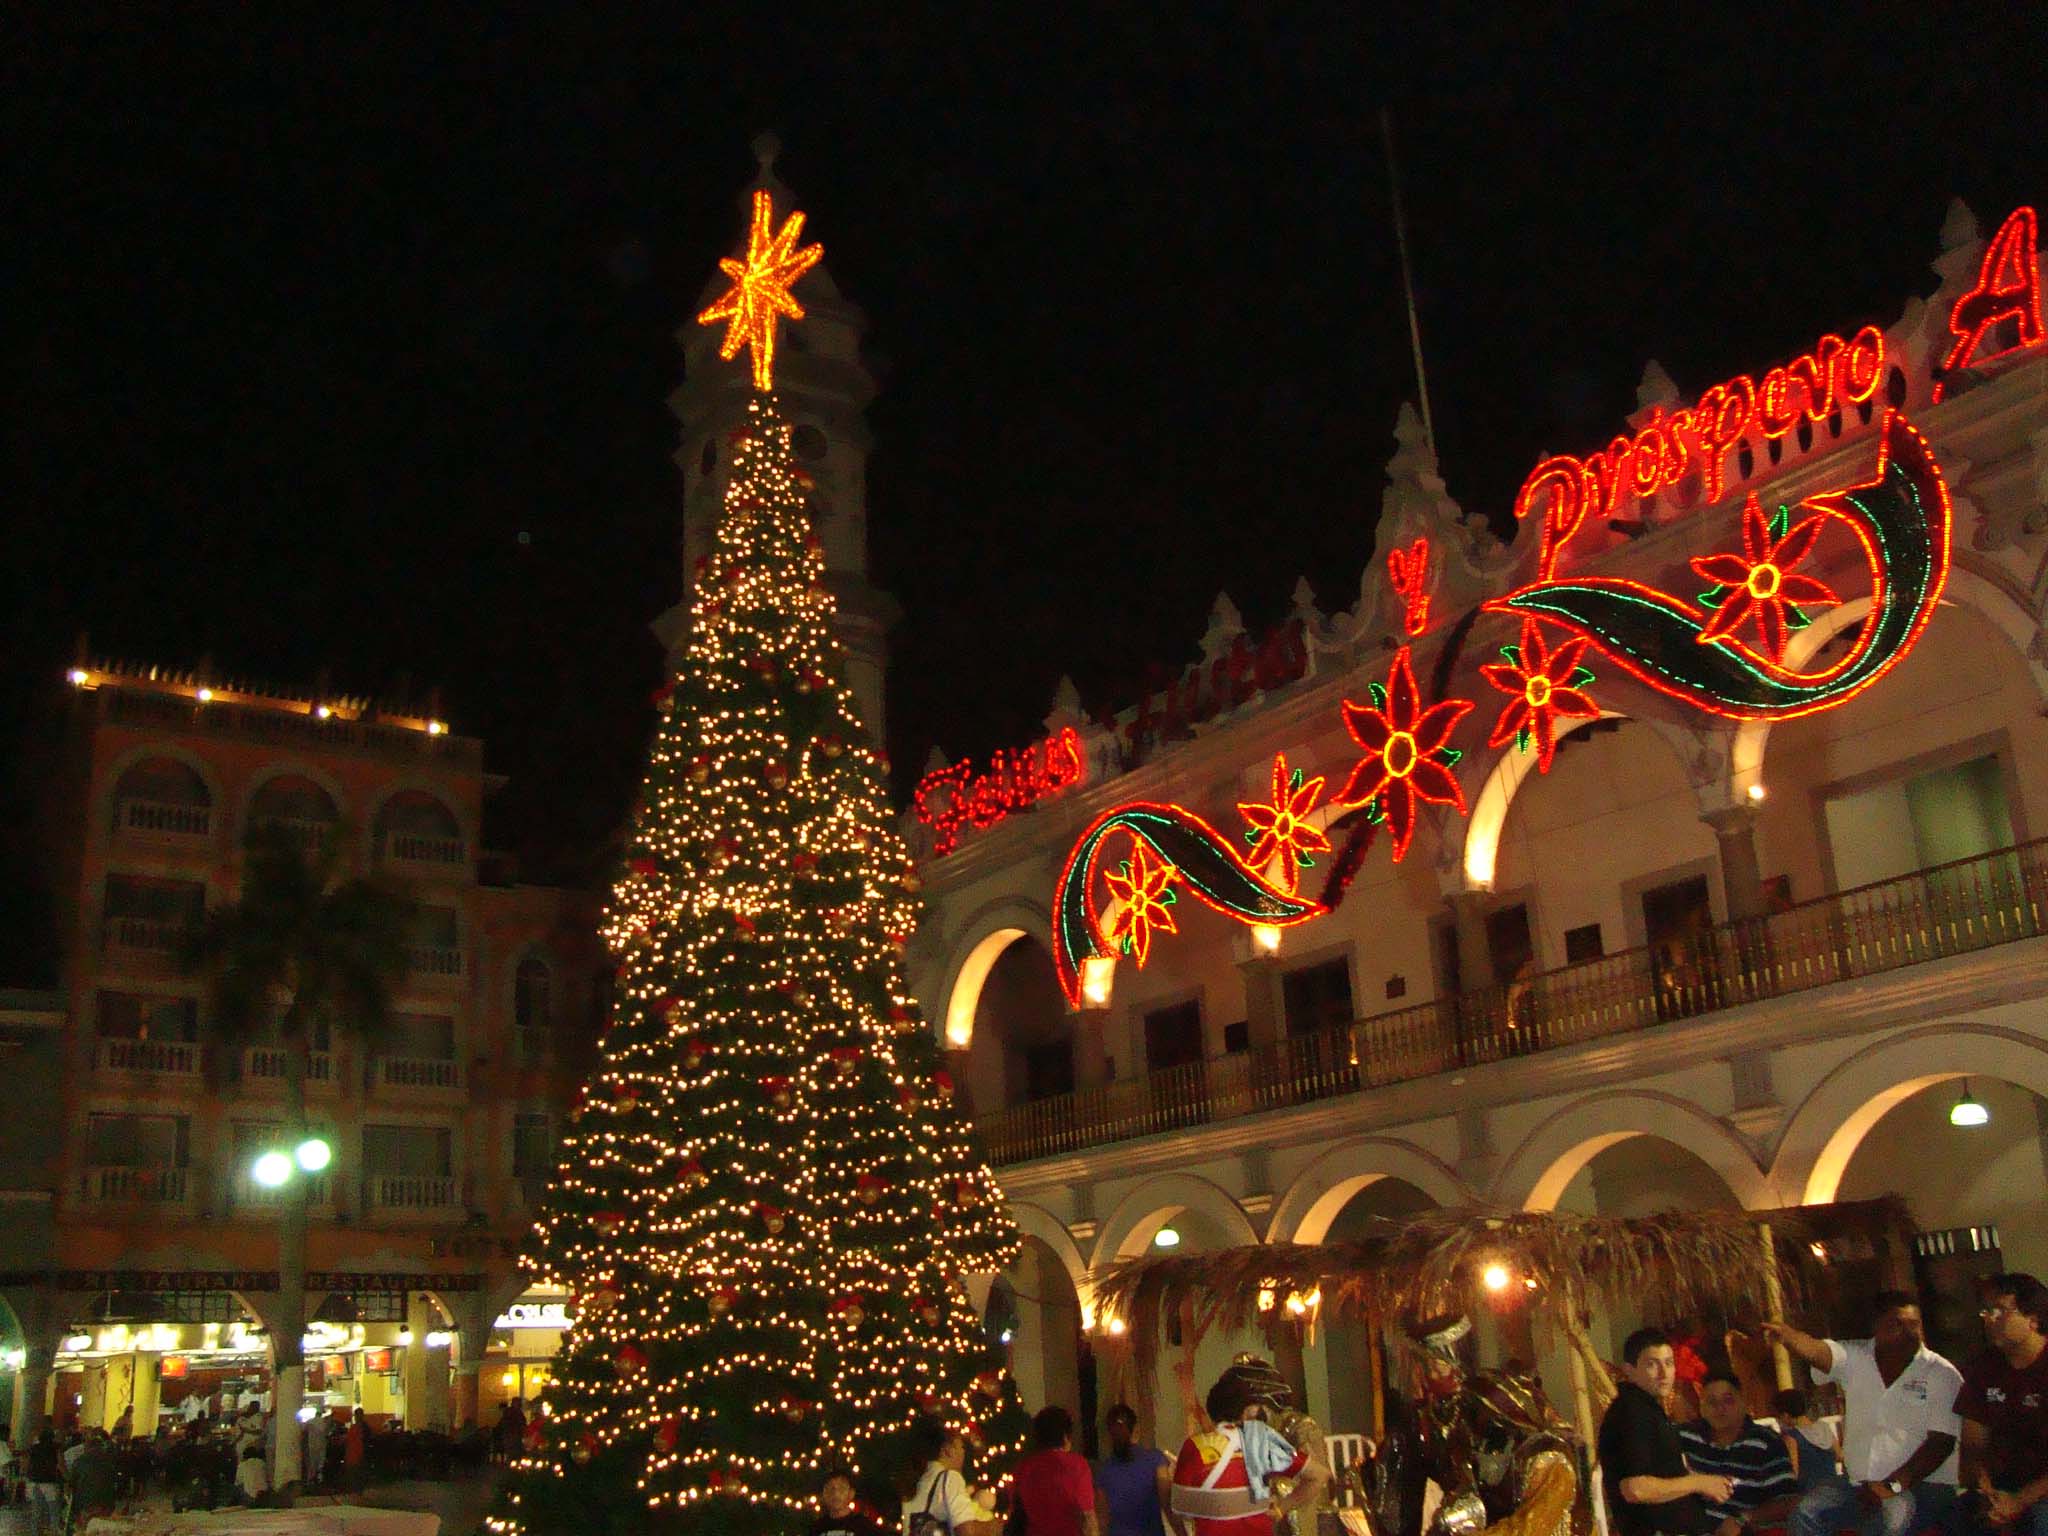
{"points": [[1729, 1443]]}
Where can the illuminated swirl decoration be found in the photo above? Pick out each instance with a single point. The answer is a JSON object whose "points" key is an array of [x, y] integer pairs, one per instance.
{"points": [[1171, 846], [1901, 517]]}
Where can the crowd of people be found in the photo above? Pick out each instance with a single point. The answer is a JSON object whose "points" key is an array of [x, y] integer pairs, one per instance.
{"points": [[1923, 1446]]}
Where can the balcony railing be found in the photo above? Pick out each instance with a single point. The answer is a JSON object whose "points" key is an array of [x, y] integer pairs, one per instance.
{"points": [[263, 1067], [309, 832], [155, 937], [418, 1072], [249, 1195], [165, 818], [420, 849], [133, 1186], [1949, 909], [179, 1058], [409, 1191], [436, 962]]}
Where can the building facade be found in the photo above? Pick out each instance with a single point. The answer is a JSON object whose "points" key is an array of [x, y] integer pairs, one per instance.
{"points": [[1671, 932], [154, 1275]]}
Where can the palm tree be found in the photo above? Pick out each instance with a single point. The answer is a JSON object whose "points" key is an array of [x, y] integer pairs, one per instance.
{"points": [[306, 946]]}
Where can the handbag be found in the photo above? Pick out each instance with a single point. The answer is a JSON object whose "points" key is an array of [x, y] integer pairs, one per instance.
{"points": [[924, 1522]]}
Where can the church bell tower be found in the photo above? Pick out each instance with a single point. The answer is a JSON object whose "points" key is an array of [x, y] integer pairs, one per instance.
{"points": [[824, 389]]}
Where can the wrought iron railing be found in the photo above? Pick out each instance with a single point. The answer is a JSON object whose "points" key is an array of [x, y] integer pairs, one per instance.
{"points": [[133, 1186], [1948, 909]]}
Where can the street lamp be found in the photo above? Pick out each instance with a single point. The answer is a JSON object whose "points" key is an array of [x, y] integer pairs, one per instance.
{"points": [[273, 1169]]}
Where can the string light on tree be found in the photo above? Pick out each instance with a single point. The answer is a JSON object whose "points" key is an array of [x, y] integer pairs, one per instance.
{"points": [[773, 1206]]}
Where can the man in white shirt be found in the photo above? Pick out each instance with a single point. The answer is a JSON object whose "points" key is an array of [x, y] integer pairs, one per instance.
{"points": [[941, 1501], [1899, 1426]]}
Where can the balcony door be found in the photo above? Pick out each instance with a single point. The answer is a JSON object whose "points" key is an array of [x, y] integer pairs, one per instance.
{"points": [[137, 1141], [1887, 830]]}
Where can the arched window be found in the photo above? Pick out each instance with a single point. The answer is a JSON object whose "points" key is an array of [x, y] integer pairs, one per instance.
{"points": [[161, 794], [533, 994]]}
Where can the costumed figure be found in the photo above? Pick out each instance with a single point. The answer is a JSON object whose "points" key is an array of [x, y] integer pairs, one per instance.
{"points": [[1242, 1476], [1502, 1460]]}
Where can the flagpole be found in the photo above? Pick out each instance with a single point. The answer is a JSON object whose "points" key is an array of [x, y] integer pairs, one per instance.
{"points": [[1407, 279]]}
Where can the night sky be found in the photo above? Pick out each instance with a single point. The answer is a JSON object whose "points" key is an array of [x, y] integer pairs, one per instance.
{"points": [[339, 342]]}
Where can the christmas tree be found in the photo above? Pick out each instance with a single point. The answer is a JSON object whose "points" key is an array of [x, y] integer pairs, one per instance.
{"points": [[767, 1201]]}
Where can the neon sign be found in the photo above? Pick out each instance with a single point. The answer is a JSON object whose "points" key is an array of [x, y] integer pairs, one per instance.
{"points": [[1170, 846], [950, 800], [1408, 575], [1901, 517], [1671, 446], [2008, 288]]}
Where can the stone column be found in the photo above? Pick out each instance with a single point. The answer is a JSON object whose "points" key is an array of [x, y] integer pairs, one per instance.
{"points": [[1475, 955], [1743, 968], [1091, 1047], [1742, 881], [1265, 1032], [32, 1390], [473, 1337]]}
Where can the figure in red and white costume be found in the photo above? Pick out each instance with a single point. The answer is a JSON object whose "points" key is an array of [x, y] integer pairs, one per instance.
{"points": [[1222, 1481]]}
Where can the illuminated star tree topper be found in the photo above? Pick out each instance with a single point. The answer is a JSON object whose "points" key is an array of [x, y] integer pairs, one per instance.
{"points": [[760, 287]]}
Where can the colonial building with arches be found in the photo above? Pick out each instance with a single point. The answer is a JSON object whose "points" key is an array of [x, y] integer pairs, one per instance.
{"points": [[143, 1265], [1678, 945]]}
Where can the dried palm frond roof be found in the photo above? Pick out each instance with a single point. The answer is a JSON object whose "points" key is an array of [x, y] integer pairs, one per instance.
{"points": [[1432, 1262]]}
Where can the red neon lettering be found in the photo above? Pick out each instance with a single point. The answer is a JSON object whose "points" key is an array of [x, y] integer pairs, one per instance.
{"points": [[1670, 447], [950, 800], [1408, 575], [2008, 288]]}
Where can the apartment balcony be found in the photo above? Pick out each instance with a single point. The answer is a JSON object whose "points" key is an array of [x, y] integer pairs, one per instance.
{"points": [[180, 1059], [419, 1075], [420, 853], [150, 942], [263, 1069], [416, 1194], [436, 965], [249, 1197], [165, 821], [154, 1189], [308, 832], [1932, 914]]}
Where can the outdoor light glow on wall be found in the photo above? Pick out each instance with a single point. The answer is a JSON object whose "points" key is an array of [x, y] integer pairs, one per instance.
{"points": [[271, 1170], [1266, 938], [1166, 1237], [313, 1154], [1495, 1277]]}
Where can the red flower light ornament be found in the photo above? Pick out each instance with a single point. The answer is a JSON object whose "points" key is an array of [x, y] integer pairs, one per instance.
{"points": [[1145, 888], [1278, 829], [1760, 583], [1542, 685], [1407, 755]]}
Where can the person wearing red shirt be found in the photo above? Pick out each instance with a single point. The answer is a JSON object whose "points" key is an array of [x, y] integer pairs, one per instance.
{"points": [[1053, 1486]]}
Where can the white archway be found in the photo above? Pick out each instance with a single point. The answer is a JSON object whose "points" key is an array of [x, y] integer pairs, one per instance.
{"points": [[989, 932], [1479, 854], [1140, 1214], [1535, 1175], [1321, 1191], [1831, 1122]]}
